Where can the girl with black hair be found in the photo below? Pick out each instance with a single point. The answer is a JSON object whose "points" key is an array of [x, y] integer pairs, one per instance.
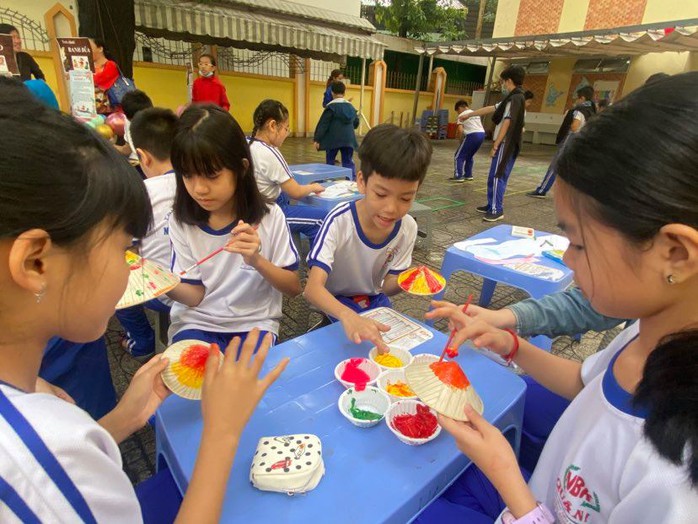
{"points": [[274, 177], [69, 208], [218, 205], [626, 449], [335, 76]]}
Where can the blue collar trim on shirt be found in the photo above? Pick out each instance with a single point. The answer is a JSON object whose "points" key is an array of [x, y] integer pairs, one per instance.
{"points": [[218, 232], [2, 382], [364, 238], [616, 395]]}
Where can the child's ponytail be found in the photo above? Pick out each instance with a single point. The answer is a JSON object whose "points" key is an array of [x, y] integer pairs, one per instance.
{"points": [[669, 389], [268, 110]]}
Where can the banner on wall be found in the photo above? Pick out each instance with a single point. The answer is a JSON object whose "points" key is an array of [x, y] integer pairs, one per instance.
{"points": [[76, 57], [8, 61]]}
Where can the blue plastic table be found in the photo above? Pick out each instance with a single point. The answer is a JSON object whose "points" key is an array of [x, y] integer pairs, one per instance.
{"points": [[328, 203], [371, 476], [309, 173], [457, 260]]}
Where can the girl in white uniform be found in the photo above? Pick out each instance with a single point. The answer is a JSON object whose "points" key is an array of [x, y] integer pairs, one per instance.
{"points": [[274, 177], [69, 208], [218, 205], [625, 450]]}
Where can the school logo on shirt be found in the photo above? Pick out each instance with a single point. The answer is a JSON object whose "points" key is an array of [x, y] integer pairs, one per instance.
{"points": [[576, 501], [390, 256]]}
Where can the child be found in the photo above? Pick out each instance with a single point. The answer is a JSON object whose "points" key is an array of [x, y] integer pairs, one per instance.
{"points": [[153, 131], [574, 121], [528, 99], [62, 274], [624, 450], [509, 118], [274, 178], [132, 103], [363, 245], [207, 87], [335, 129], [473, 136], [335, 76], [218, 205]]}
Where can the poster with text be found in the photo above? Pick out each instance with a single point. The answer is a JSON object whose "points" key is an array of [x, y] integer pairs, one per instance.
{"points": [[76, 54], [82, 94]]}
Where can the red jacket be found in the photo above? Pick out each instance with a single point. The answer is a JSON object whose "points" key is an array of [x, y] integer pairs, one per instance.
{"points": [[210, 90], [106, 76]]}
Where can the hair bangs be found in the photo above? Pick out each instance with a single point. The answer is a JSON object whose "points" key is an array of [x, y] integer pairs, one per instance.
{"points": [[194, 154]]}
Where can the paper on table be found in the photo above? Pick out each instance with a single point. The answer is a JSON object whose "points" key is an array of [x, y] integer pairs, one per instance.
{"points": [[340, 189], [552, 242], [465, 244], [404, 333], [524, 247], [299, 172]]}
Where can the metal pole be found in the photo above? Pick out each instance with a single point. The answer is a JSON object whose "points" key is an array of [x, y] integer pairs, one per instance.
{"points": [[431, 66], [417, 88], [489, 80], [361, 95]]}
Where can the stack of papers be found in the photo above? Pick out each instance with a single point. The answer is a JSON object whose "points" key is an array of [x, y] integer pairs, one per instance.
{"points": [[341, 189]]}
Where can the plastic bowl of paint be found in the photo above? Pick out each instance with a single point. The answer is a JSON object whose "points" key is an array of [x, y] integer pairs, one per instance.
{"points": [[409, 408], [367, 366], [396, 379], [364, 408], [395, 359]]}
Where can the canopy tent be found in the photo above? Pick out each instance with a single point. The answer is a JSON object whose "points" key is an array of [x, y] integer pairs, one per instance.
{"points": [[261, 25], [675, 36]]}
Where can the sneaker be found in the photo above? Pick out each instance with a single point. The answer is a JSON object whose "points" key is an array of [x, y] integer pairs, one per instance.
{"points": [[468, 178], [483, 209], [456, 179], [493, 217], [535, 194]]}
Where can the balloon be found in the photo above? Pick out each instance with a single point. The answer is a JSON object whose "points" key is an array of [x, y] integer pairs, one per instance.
{"points": [[116, 121], [105, 131], [96, 121], [102, 119]]}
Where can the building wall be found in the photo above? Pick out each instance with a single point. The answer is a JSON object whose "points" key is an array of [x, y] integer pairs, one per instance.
{"points": [[603, 14], [536, 84], [538, 17]]}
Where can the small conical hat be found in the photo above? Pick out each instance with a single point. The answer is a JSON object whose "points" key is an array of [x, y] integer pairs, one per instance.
{"points": [[421, 281], [146, 281], [443, 387], [184, 375]]}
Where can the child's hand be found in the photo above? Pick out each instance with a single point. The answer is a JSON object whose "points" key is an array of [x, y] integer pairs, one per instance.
{"points": [[43, 386], [485, 446], [493, 152], [316, 188], [479, 332], [317, 146], [502, 318], [145, 393], [245, 241], [232, 391], [358, 329]]}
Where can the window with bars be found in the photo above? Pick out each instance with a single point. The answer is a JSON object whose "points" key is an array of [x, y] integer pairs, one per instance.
{"points": [[33, 34]]}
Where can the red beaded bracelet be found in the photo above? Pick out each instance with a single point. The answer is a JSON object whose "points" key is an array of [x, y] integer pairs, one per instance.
{"points": [[512, 354]]}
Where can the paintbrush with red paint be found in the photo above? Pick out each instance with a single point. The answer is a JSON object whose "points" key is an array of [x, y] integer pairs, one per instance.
{"points": [[453, 352]]}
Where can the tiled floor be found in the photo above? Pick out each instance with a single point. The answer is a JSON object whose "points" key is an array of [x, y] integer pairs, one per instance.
{"points": [[455, 220]]}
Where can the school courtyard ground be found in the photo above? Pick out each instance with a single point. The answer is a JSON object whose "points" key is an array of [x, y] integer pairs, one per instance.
{"points": [[454, 219]]}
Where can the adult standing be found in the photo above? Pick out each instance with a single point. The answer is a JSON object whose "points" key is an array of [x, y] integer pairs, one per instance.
{"points": [[106, 73], [26, 64]]}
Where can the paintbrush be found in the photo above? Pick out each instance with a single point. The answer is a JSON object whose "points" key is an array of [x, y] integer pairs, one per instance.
{"points": [[453, 331]]}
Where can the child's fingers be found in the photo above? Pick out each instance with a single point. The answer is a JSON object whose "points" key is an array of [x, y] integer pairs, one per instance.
{"points": [[261, 355], [271, 377], [382, 327], [459, 430], [248, 348], [214, 355]]}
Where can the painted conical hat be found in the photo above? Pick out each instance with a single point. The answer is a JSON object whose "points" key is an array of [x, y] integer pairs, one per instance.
{"points": [[443, 387], [184, 375], [146, 281], [421, 281]]}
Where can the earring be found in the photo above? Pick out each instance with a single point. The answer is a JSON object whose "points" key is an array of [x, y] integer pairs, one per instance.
{"points": [[40, 294], [670, 279]]}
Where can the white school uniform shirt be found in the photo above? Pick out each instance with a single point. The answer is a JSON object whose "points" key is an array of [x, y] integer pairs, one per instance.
{"points": [[237, 297], [133, 157], [597, 466], [156, 245], [472, 124], [354, 264], [270, 169], [87, 453], [507, 115]]}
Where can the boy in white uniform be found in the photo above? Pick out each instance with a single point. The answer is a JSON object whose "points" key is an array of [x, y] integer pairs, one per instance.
{"points": [[152, 132], [473, 136], [363, 245]]}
